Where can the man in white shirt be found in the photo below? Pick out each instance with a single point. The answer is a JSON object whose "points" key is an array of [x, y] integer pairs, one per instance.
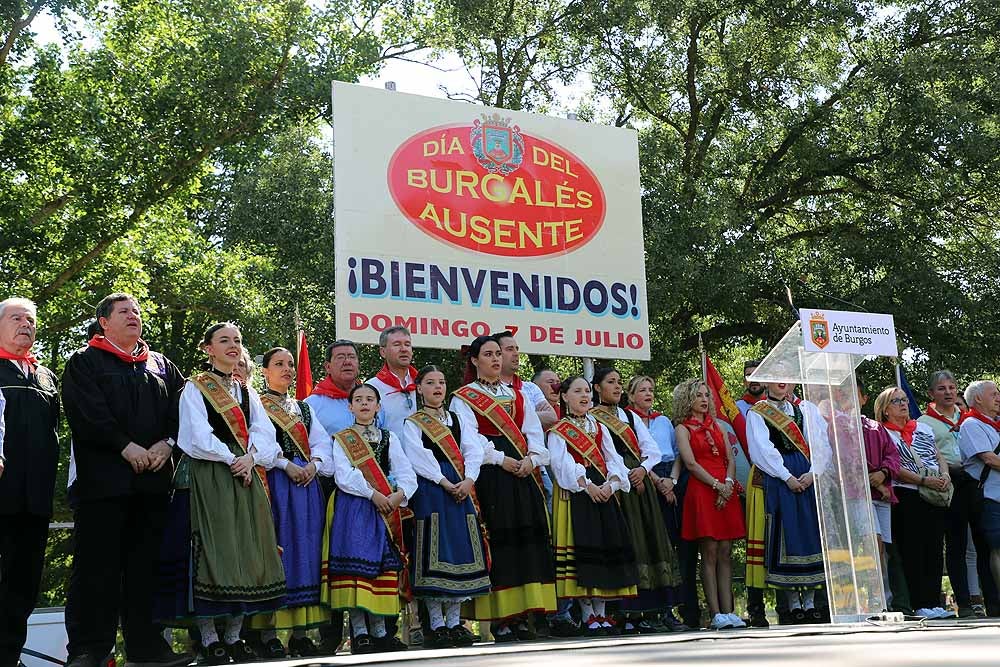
{"points": [[979, 442], [395, 380], [510, 362]]}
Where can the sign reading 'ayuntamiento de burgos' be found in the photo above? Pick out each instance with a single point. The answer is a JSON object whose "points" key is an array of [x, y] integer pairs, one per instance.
{"points": [[457, 220], [848, 332]]}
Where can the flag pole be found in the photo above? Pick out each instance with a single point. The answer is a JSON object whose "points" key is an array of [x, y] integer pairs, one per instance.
{"points": [[298, 335], [899, 374], [704, 359]]}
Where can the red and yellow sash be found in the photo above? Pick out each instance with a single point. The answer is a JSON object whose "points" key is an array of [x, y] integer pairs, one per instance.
{"points": [[442, 436], [779, 420], [582, 444], [360, 454], [288, 422], [223, 402], [621, 429], [490, 409]]}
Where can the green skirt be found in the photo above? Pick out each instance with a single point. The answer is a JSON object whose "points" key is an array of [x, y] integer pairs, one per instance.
{"points": [[654, 556], [235, 557]]}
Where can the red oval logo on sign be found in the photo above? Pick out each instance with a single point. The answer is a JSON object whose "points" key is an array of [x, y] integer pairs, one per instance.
{"points": [[491, 188]]}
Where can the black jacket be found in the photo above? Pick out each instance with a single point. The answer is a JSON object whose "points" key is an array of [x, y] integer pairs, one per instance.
{"points": [[30, 445], [109, 403]]}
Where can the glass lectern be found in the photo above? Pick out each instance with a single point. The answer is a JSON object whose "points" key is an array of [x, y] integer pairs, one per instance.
{"points": [[846, 521]]}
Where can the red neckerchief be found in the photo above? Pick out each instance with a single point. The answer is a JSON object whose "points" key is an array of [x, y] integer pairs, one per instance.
{"points": [[558, 410], [973, 412], [27, 356], [648, 416], [933, 413], [906, 432], [714, 435], [326, 387], [391, 379], [102, 343], [515, 382], [751, 399]]}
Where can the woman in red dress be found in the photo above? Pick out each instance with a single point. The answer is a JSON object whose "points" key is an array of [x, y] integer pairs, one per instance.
{"points": [[712, 513]]}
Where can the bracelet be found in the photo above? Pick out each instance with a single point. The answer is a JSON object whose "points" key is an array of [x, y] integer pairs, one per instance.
{"points": [[729, 480]]}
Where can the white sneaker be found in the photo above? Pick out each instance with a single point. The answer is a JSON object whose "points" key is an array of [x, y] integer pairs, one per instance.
{"points": [[944, 613], [926, 613], [736, 620], [721, 622]]}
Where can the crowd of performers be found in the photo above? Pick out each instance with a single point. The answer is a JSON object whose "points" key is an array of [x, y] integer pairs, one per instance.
{"points": [[557, 506]]}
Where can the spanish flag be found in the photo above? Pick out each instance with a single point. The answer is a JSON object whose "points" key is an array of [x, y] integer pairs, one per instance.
{"points": [[725, 406]]}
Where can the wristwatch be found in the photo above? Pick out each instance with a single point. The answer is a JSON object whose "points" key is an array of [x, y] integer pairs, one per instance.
{"points": [[170, 441]]}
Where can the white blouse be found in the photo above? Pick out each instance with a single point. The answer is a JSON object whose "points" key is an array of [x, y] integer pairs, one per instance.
{"points": [[568, 472], [530, 427], [351, 480], [320, 444], [196, 439], [650, 451], [423, 460], [765, 456]]}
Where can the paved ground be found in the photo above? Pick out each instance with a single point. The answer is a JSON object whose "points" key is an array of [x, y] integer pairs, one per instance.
{"points": [[935, 644]]}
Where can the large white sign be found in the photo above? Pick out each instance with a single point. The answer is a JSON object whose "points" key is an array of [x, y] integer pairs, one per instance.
{"points": [[458, 220], [844, 331]]}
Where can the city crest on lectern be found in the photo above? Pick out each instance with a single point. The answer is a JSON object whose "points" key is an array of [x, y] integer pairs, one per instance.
{"points": [[819, 330]]}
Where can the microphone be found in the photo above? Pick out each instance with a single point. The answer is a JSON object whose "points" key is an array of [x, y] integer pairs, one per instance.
{"points": [[829, 296]]}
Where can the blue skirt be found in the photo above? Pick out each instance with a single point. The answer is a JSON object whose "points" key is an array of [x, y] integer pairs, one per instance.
{"points": [[299, 513], [360, 545], [449, 556], [793, 553]]}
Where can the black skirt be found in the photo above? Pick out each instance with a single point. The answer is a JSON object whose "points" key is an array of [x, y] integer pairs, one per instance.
{"points": [[516, 518], [602, 544]]}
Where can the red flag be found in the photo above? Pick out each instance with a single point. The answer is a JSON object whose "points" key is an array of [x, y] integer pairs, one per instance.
{"points": [[304, 376], [725, 406]]}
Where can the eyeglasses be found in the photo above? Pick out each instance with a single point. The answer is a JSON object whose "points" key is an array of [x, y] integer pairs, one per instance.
{"points": [[900, 401]]}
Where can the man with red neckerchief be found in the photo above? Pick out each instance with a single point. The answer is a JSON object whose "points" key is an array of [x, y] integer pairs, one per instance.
{"points": [[395, 380], [943, 415], [754, 390], [979, 442], [121, 402], [29, 455]]}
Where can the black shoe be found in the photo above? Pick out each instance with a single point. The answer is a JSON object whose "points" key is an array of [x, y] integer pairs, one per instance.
{"points": [[542, 628], [389, 643], [328, 647], [84, 660], [524, 633], [646, 628], [595, 632], [563, 628], [460, 636], [302, 647], [510, 636], [439, 638], [272, 649], [799, 617], [216, 654], [166, 658], [786, 618], [814, 616], [241, 652], [756, 621], [363, 643]]}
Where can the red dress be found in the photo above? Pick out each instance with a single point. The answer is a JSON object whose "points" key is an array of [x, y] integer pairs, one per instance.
{"points": [[701, 517]]}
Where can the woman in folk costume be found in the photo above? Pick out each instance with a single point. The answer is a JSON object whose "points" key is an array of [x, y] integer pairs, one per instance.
{"points": [[595, 561], [450, 559], [713, 516], [298, 508], [788, 446], [496, 418], [655, 557], [220, 559], [365, 558]]}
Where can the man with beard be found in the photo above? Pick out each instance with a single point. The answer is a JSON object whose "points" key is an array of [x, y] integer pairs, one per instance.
{"points": [[121, 402], [29, 455], [754, 390]]}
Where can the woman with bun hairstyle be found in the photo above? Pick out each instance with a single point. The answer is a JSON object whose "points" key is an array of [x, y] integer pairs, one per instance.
{"points": [[495, 417], [595, 561]]}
